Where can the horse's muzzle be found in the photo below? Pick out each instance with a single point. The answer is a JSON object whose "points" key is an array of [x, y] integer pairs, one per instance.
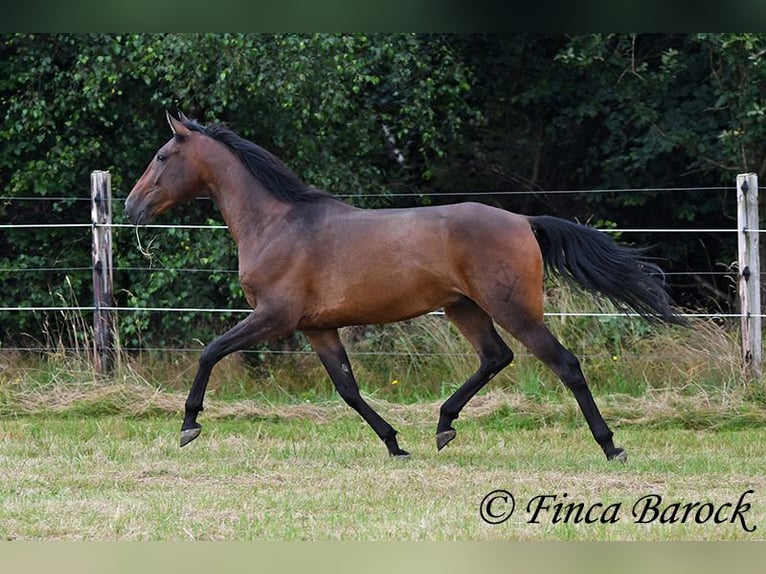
{"points": [[135, 210]]}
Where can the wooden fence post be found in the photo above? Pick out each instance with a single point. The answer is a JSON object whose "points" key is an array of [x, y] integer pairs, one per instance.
{"points": [[749, 273], [101, 218]]}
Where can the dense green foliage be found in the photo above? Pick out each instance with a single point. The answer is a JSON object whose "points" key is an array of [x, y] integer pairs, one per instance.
{"points": [[385, 119]]}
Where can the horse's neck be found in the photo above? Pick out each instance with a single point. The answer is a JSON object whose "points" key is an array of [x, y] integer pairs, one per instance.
{"points": [[248, 209]]}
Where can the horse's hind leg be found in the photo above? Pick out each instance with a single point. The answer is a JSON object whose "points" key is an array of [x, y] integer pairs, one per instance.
{"points": [[494, 355], [536, 336], [328, 346]]}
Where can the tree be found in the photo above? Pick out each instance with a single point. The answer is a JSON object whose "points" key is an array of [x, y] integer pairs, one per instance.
{"points": [[382, 120], [349, 113], [624, 111]]}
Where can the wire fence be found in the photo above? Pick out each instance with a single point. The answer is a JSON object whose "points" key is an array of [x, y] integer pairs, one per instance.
{"points": [[80, 309]]}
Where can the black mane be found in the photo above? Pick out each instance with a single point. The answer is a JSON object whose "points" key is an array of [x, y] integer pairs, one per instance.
{"points": [[274, 175]]}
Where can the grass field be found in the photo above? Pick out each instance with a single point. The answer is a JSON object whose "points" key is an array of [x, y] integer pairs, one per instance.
{"points": [[319, 473], [282, 458]]}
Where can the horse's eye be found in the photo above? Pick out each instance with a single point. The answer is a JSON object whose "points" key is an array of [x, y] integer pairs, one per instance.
{"points": [[161, 157]]}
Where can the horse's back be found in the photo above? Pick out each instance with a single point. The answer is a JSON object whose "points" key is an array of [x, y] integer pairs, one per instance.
{"points": [[388, 264]]}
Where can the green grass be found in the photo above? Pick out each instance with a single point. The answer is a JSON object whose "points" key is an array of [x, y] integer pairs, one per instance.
{"points": [[327, 477], [112, 478]]}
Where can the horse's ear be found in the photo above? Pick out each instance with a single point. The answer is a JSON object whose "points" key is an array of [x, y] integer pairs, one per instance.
{"points": [[179, 129], [182, 117]]}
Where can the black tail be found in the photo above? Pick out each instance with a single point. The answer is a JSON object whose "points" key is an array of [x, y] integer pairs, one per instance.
{"points": [[588, 257]]}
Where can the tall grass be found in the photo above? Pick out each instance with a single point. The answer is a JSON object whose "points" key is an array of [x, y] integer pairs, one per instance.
{"points": [[640, 373]]}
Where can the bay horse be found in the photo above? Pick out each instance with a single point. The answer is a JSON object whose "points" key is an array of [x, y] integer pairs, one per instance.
{"points": [[310, 262]]}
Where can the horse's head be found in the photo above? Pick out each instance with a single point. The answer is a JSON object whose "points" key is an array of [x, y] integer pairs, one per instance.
{"points": [[170, 178]]}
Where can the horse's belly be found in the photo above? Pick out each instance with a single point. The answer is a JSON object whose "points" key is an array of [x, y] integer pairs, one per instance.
{"points": [[380, 298]]}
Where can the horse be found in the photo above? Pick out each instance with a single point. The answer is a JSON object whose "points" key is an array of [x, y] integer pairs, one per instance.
{"points": [[312, 263]]}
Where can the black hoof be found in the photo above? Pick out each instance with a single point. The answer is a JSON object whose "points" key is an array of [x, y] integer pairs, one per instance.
{"points": [[188, 435], [619, 454], [401, 455], [393, 447], [443, 438]]}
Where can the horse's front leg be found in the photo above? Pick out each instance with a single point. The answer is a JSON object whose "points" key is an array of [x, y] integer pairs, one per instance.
{"points": [[259, 326], [328, 346]]}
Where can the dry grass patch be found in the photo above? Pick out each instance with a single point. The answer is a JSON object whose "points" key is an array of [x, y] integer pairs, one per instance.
{"points": [[134, 397]]}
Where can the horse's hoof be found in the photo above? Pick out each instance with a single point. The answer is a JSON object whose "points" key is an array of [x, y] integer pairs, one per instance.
{"points": [[443, 438], [401, 455], [189, 435], [619, 455]]}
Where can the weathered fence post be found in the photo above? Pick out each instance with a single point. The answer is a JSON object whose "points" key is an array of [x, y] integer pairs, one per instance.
{"points": [[749, 272], [101, 218]]}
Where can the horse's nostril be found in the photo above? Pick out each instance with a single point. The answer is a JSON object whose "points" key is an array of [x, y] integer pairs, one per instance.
{"points": [[134, 215]]}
